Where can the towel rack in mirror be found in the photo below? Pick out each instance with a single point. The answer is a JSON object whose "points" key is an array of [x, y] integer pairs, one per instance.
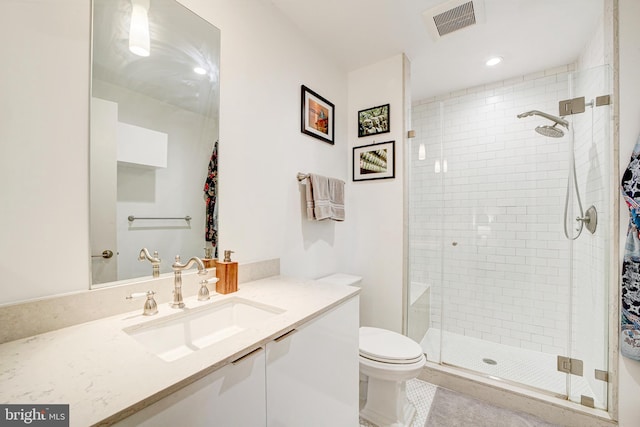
{"points": [[132, 218]]}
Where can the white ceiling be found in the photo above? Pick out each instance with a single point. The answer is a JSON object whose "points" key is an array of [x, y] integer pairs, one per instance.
{"points": [[531, 35], [180, 41]]}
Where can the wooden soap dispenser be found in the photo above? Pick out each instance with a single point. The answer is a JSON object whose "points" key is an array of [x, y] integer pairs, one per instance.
{"points": [[227, 273]]}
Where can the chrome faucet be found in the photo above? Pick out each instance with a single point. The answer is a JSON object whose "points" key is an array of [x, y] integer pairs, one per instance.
{"points": [[177, 278], [154, 260]]}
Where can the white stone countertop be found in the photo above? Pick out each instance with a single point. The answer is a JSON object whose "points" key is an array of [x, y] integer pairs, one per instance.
{"points": [[105, 375]]}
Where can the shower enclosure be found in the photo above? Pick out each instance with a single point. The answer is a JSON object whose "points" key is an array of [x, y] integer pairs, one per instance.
{"points": [[495, 286]]}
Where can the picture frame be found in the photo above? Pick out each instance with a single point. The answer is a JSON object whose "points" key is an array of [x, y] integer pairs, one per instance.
{"points": [[374, 121], [374, 161], [317, 116]]}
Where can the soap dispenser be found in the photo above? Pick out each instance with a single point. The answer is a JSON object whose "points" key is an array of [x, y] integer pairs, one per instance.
{"points": [[209, 261], [227, 273]]}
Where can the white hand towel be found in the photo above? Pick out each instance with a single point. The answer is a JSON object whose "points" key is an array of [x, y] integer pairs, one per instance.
{"points": [[318, 203], [309, 197], [336, 199]]}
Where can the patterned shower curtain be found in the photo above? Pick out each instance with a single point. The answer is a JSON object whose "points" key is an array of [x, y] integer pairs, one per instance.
{"points": [[630, 292], [211, 201]]}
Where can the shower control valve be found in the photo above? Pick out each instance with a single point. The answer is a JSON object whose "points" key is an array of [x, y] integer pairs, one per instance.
{"points": [[590, 219]]}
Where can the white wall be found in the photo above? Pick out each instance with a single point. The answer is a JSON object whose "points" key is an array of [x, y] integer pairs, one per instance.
{"points": [[44, 214], [44, 221], [376, 249], [629, 390], [264, 62]]}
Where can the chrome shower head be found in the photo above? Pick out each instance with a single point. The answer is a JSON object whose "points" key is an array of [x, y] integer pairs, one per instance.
{"points": [[550, 131], [558, 120]]}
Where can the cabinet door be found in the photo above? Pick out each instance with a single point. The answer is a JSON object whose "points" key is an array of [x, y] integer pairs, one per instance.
{"points": [[312, 372], [231, 396]]}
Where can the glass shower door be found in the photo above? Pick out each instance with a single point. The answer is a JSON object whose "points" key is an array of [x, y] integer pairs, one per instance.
{"points": [[590, 252], [495, 287], [505, 287]]}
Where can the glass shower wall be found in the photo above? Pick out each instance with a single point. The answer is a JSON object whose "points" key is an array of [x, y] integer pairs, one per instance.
{"points": [[590, 266], [426, 227], [490, 270]]}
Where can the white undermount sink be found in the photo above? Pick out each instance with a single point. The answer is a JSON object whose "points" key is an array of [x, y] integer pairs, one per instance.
{"points": [[181, 334]]}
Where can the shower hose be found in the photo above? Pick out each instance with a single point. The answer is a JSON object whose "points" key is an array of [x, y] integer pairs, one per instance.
{"points": [[572, 176]]}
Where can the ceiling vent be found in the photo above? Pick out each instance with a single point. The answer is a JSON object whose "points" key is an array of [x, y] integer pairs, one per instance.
{"points": [[452, 16]]}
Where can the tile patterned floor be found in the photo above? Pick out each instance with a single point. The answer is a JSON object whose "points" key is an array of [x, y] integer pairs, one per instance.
{"points": [[419, 393], [523, 366]]}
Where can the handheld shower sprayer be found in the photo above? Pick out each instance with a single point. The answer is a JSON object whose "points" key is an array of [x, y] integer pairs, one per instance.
{"points": [[558, 120], [588, 218]]}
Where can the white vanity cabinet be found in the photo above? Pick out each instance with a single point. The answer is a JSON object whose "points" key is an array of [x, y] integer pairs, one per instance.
{"points": [[312, 372], [233, 395], [306, 377]]}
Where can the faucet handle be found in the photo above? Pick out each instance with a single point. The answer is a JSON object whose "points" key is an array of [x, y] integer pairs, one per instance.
{"points": [[150, 305], [137, 295], [203, 293]]}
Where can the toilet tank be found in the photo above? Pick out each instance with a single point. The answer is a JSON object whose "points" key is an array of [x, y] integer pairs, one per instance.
{"points": [[341, 279]]}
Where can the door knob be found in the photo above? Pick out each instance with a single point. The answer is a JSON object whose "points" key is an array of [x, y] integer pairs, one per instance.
{"points": [[105, 254]]}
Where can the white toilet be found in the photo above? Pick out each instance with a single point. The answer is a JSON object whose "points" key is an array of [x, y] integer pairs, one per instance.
{"points": [[387, 361]]}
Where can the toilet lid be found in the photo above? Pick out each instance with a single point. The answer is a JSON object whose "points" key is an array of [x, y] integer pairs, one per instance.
{"points": [[387, 346]]}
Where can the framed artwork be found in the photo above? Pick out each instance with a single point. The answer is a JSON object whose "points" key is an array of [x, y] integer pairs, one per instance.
{"points": [[373, 121], [374, 161], [317, 116]]}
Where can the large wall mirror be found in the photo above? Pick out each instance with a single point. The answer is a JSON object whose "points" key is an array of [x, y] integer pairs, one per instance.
{"points": [[154, 131]]}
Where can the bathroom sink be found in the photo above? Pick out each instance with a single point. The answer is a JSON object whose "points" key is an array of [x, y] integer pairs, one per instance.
{"points": [[181, 334]]}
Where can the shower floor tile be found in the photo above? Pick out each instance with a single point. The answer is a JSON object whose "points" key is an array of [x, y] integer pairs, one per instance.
{"points": [[531, 368]]}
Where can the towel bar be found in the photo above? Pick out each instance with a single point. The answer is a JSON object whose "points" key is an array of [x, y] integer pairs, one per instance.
{"points": [[302, 176], [132, 218]]}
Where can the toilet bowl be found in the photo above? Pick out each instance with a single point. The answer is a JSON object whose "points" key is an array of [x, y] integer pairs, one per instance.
{"points": [[387, 360]]}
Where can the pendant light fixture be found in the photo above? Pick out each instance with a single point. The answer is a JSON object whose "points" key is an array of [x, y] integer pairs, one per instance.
{"points": [[139, 41], [421, 152]]}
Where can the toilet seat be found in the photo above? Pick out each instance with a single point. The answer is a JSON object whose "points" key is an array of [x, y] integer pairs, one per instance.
{"points": [[385, 346], [392, 361]]}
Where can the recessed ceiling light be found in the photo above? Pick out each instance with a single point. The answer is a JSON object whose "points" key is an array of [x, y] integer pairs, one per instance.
{"points": [[200, 70], [494, 61]]}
